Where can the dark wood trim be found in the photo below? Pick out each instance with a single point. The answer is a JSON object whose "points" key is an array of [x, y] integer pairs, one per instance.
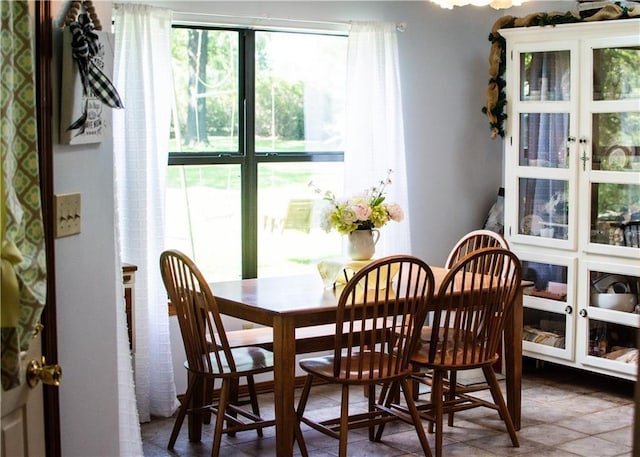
{"points": [[43, 61]]}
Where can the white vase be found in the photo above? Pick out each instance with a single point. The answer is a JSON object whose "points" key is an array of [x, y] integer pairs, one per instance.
{"points": [[362, 244]]}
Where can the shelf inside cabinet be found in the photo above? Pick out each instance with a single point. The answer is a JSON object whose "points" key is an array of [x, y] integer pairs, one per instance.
{"points": [[544, 327], [549, 295], [613, 342]]}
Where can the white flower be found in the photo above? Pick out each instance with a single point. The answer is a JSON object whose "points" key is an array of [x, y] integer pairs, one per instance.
{"points": [[325, 218]]}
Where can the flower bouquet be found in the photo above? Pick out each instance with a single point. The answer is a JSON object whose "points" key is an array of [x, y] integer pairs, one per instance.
{"points": [[365, 211]]}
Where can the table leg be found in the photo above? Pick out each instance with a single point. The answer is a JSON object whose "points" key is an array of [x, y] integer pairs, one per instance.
{"points": [[513, 361], [284, 359]]}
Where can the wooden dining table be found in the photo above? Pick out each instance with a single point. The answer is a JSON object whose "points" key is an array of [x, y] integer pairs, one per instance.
{"points": [[287, 303]]}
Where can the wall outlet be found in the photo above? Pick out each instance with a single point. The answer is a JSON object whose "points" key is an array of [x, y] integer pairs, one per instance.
{"points": [[67, 214]]}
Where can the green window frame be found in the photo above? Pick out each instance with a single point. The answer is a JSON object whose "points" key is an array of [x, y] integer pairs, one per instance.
{"points": [[246, 156]]}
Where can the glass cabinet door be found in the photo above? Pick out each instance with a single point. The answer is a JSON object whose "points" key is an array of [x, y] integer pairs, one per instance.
{"points": [[545, 76], [543, 121], [609, 315], [610, 148], [548, 314]]}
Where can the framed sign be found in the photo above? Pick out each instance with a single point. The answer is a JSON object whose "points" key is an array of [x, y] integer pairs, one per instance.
{"points": [[87, 68], [75, 102]]}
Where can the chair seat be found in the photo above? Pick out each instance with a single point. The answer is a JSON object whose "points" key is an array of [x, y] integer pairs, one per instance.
{"points": [[252, 360], [461, 358], [323, 367]]}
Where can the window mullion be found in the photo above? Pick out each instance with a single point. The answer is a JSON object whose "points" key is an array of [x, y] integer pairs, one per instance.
{"points": [[249, 167]]}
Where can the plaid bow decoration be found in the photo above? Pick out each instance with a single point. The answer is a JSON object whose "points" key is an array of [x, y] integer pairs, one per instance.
{"points": [[85, 46]]}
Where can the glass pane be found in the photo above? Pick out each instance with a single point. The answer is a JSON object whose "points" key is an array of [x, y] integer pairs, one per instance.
{"points": [[614, 291], [545, 75], [543, 139], [290, 240], [615, 214], [615, 73], [616, 141], [549, 281], [612, 341], [300, 90], [544, 327], [203, 217], [205, 73], [543, 208]]}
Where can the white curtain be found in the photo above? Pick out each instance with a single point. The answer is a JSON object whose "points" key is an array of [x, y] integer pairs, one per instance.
{"points": [[142, 75], [129, 436], [375, 128]]}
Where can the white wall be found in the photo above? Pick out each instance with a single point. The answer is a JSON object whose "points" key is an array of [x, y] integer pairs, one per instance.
{"points": [[85, 285], [454, 171]]}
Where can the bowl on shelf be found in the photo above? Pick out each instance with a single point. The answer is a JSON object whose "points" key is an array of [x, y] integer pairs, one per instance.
{"points": [[616, 302]]}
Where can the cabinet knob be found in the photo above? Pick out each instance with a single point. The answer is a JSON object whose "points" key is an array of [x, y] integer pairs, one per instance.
{"points": [[571, 139], [583, 312], [568, 309]]}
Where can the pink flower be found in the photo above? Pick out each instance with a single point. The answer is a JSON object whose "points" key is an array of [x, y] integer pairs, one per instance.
{"points": [[362, 211], [395, 212]]}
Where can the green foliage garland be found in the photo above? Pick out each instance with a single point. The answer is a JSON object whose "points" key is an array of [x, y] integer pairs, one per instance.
{"points": [[496, 98]]}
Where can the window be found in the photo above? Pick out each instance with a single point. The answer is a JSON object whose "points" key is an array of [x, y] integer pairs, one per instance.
{"points": [[257, 116]]}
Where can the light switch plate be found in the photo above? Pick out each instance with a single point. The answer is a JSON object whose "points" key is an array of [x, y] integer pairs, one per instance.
{"points": [[67, 214]]}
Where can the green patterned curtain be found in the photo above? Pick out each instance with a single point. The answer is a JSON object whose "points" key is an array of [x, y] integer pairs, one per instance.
{"points": [[23, 288]]}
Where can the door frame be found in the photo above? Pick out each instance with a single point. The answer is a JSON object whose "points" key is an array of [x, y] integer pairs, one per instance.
{"points": [[43, 60]]}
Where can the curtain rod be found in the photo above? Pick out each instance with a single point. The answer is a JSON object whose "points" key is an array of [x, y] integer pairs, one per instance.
{"points": [[400, 26]]}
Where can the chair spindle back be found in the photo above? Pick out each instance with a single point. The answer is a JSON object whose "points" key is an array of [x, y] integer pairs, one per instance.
{"points": [[472, 308], [473, 241], [203, 334], [378, 310]]}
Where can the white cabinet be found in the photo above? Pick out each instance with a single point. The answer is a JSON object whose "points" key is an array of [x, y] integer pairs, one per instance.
{"points": [[572, 189]]}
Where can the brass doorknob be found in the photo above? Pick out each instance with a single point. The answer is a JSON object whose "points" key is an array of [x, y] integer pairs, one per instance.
{"points": [[39, 371]]}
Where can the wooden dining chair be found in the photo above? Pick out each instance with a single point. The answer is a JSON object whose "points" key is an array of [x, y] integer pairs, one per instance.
{"points": [[472, 241], [469, 318], [377, 314], [209, 356], [469, 243]]}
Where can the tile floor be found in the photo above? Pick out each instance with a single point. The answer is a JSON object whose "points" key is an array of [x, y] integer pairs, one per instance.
{"points": [[565, 413]]}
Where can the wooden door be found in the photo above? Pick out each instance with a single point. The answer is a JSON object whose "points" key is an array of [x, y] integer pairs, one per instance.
{"points": [[22, 430], [30, 416]]}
